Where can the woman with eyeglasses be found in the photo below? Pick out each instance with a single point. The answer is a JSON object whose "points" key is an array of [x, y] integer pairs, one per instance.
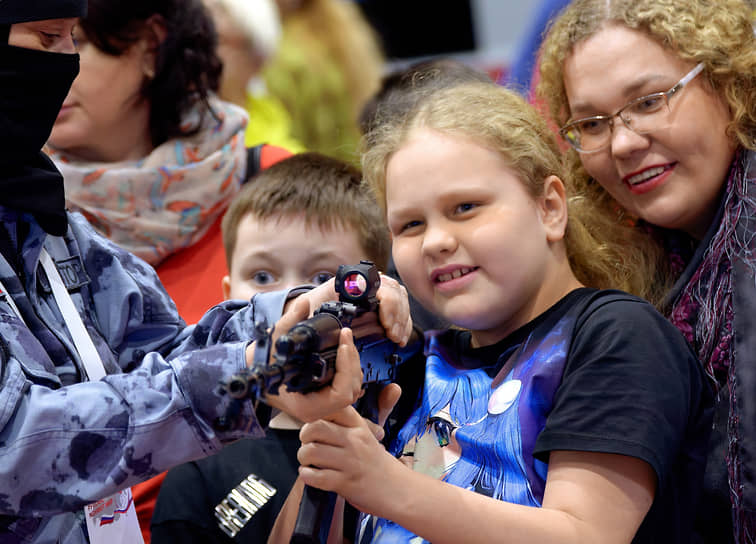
{"points": [[657, 100]]}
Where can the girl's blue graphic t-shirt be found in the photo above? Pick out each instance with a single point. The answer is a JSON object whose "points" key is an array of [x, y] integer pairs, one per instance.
{"points": [[478, 421]]}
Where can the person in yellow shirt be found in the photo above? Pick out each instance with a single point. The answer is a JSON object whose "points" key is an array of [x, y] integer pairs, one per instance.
{"points": [[248, 36], [329, 63]]}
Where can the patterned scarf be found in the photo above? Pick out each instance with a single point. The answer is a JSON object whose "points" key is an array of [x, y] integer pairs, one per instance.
{"points": [[703, 311], [166, 201]]}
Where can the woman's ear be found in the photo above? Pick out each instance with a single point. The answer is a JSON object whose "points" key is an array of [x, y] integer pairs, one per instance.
{"points": [[153, 36], [553, 208]]}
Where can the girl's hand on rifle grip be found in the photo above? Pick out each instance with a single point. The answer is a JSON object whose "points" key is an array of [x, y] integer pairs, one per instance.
{"points": [[342, 454]]}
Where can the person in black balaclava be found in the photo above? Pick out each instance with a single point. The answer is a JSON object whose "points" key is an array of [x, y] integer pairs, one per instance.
{"points": [[33, 85], [89, 402]]}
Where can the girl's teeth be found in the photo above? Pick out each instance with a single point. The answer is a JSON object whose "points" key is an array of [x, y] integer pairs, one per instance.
{"points": [[453, 275]]}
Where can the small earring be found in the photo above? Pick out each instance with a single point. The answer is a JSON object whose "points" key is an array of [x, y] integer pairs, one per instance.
{"points": [[149, 72]]}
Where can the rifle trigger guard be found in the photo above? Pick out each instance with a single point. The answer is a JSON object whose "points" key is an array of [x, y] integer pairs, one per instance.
{"points": [[322, 366]]}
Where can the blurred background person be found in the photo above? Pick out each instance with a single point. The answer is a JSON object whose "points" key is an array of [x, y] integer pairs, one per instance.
{"points": [[522, 73], [249, 32], [148, 153], [401, 88], [329, 63]]}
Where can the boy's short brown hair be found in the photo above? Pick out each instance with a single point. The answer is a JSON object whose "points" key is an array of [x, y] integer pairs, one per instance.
{"points": [[327, 191]]}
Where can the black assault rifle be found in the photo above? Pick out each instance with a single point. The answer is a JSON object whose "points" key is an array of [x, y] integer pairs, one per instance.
{"points": [[305, 360]]}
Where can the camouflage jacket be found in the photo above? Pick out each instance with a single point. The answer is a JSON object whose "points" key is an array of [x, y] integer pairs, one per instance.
{"points": [[65, 441]]}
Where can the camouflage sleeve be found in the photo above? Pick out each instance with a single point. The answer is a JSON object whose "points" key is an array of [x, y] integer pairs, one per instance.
{"points": [[62, 447]]}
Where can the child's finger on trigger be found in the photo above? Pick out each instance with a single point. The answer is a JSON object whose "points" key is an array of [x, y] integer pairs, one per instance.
{"points": [[376, 430], [348, 377], [321, 431], [387, 399]]}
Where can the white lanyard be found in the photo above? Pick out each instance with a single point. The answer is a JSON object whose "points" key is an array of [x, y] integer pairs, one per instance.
{"points": [[111, 520], [83, 342]]}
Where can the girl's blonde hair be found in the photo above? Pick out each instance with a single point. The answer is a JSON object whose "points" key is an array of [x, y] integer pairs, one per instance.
{"points": [[717, 33], [501, 120]]}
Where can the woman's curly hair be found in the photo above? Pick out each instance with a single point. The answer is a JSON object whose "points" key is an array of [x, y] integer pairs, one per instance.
{"points": [[717, 33], [187, 68]]}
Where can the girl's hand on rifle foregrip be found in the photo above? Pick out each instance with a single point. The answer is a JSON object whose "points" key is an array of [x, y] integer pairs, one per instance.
{"points": [[393, 308], [343, 391]]}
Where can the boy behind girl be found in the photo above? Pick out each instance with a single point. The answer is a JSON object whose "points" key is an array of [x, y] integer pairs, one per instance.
{"points": [[293, 224], [296, 222]]}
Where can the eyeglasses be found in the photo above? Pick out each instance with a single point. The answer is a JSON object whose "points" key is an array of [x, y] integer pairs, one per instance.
{"points": [[642, 115]]}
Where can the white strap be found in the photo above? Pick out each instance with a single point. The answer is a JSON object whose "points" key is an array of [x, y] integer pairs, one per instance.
{"points": [[83, 342], [112, 520]]}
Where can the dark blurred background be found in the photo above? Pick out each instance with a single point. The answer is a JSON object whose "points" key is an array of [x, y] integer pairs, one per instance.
{"points": [[487, 33], [422, 28]]}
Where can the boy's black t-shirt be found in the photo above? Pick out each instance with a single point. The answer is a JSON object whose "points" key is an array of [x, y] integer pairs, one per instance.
{"points": [[631, 386], [185, 509]]}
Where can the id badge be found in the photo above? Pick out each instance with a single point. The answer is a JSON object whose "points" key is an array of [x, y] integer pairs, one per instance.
{"points": [[113, 520]]}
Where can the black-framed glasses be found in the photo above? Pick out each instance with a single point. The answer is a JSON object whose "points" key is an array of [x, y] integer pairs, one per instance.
{"points": [[642, 115]]}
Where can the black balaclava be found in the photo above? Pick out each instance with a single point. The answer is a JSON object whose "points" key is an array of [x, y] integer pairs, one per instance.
{"points": [[33, 86]]}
